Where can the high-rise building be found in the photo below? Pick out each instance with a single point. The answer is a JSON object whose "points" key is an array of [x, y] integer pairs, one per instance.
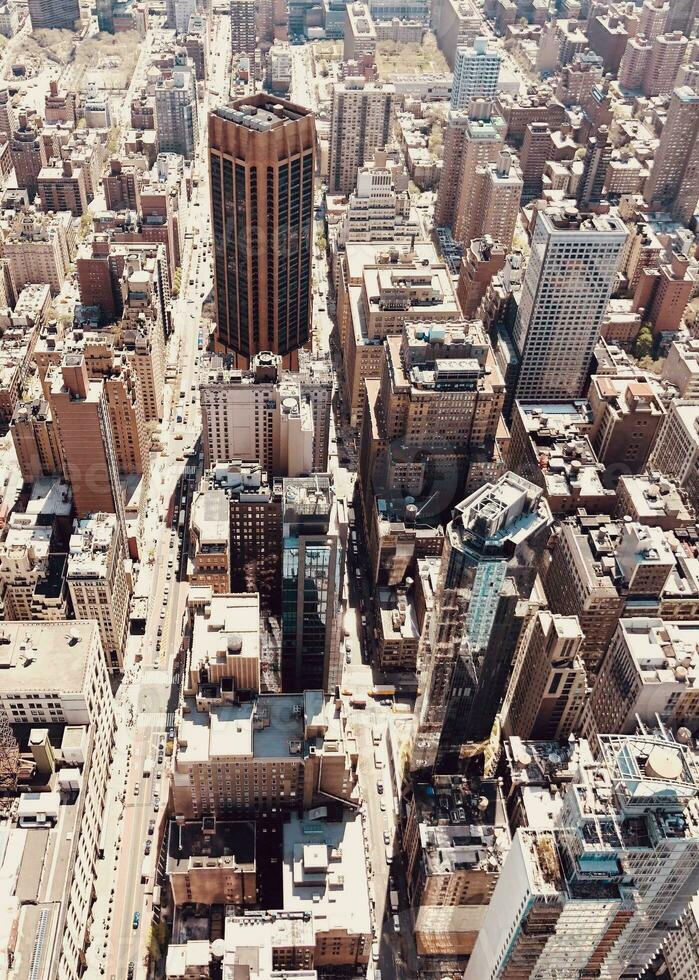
{"points": [[673, 183], [210, 537], [312, 571], [176, 111], [653, 18], [28, 154], [100, 587], [676, 451], [666, 56], [282, 417], [494, 196], [597, 886], [262, 161], [634, 64], [476, 71], [481, 603], [360, 123], [548, 688], [473, 138], [105, 16], [243, 28], [598, 154], [32, 570], [568, 282], [54, 14], [178, 14]]}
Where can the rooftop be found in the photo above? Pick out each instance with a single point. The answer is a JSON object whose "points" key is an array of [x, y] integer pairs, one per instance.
{"points": [[211, 841], [47, 655], [261, 112]]}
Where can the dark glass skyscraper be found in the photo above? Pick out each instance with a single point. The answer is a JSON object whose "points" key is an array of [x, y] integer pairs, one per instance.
{"points": [[262, 162]]}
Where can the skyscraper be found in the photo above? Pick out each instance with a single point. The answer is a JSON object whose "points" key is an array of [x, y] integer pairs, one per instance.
{"points": [[494, 190], [597, 156], [176, 110], [311, 582], [262, 160], [105, 16], [54, 14], [486, 577], [476, 71], [595, 889], [360, 123], [566, 288], [674, 180]]}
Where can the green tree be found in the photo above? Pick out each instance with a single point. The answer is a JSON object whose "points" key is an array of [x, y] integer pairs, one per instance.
{"points": [[644, 342]]}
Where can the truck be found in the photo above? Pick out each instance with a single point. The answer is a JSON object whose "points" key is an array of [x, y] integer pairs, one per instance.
{"points": [[382, 691], [393, 899], [148, 766]]}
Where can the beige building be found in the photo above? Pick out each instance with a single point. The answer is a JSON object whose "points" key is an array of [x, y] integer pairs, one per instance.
{"points": [[654, 501], [279, 418], [676, 451], [35, 439], [495, 197], [626, 417], [31, 575], [62, 187], [212, 862], [548, 687], [666, 56], [100, 584], [225, 652], [210, 537], [324, 874], [360, 34], [674, 180], [399, 634], [681, 367], [395, 287], [54, 673], [651, 671], [360, 123], [39, 248]]}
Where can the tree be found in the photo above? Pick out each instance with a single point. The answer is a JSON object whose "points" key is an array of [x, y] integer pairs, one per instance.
{"points": [[644, 342]]}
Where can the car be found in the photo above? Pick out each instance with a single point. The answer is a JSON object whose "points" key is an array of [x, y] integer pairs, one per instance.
{"points": [[136, 789], [348, 658], [396, 923], [151, 826], [136, 919], [348, 646], [168, 576], [386, 838], [379, 786], [358, 573], [149, 844], [160, 631], [156, 805], [162, 614], [160, 758], [129, 971], [158, 774]]}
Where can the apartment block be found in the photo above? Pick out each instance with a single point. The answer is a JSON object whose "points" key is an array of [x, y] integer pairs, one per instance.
{"points": [[653, 501], [398, 629], [360, 33], [279, 418], [548, 687], [476, 71], [32, 570], [455, 22], [52, 15], [360, 123], [550, 445], [100, 583], [55, 674], [35, 439], [211, 862], [667, 54], [176, 119], [210, 536], [28, 155], [39, 248], [224, 661], [62, 187], [237, 759], [674, 180], [495, 198], [650, 672], [676, 451], [481, 262], [626, 418]]}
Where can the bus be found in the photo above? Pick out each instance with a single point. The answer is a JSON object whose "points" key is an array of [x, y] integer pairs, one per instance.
{"points": [[382, 691]]}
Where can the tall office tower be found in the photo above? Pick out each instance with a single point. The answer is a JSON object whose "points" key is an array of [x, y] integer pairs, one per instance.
{"points": [[176, 110], [105, 16], [653, 18], [99, 585], [262, 161], [666, 56], [598, 154], [360, 123], [596, 889], [312, 570], [494, 203], [473, 139], [54, 14], [476, 71], [673, 184], [546, 695], [28, 155], [481, 603], [244, 30], [565, 292]]}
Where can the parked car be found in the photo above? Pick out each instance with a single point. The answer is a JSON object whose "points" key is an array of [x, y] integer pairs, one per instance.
{"points": [[136, 919]]}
